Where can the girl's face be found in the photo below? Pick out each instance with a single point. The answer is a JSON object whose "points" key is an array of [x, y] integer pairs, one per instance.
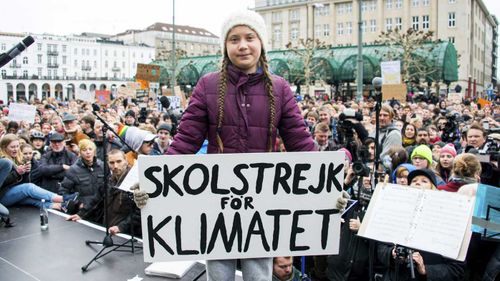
{"points": [[244, 48], [88, 154], [12, 149], [419, 162], [421, 182], [410, 131], [446, 160], [27, 154], [403, 178]]}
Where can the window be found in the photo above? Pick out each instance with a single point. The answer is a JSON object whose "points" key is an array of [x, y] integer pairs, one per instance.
{"points": [[39, 58], [106, 53], [123, 54], [4, 73], [294, 33], [348, 8], [49, 73], [341, 9], [399, 4], [114, 53], [348, 28], [364, 6], [25, 60], [276, 16], [452, 1], [425, 21], [76, 51], [4, 47], [317, 30], [340, 29], [388, 24], [105, 63], [426, 2], [326, 30], [64, 48], [123, 64], [76, 63], [64, 59], [294, 14], [398, 23], [451, 40], [95, 52], [414, 22], [64, 73], [451, 19], [87, 52], [276, 34], [39, 46], [39, 71], [373, 5], [373, 25], [25, 74], [415, 3], [388, 4], [363, 26]]}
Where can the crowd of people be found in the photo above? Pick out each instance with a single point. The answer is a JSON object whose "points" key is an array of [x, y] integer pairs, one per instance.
{"points": [[60, 156]]}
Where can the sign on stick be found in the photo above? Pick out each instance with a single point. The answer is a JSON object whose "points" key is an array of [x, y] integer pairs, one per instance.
{"points": [[22, 112]]}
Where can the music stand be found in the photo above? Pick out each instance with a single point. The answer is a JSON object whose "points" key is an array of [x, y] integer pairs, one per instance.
{"points": [[108, 243]]}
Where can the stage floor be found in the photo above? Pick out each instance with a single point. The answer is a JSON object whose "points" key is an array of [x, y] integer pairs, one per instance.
{"points": [[27, 253]]}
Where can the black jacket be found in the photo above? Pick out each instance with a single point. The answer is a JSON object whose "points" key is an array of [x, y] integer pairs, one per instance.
{"points": [[437, 267], [88, 181], [51, 168]]}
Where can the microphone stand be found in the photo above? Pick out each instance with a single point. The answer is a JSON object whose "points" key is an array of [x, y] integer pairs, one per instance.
{"points": [[107, 242]]}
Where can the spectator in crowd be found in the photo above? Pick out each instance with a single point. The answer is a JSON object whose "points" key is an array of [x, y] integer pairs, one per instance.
{"points": [[444, 165], [130, 119], [400, 174], [87, 124], [38, 142], [388, 134], [73, 134], [86, 177], [283, 270], [409, 135], [16, 188], [164, 139], [322, 138], [476, 137], [55, 162], [466, 169], [12, 127], [436, 150], [141, 141], [422, 178], [28, 157]]}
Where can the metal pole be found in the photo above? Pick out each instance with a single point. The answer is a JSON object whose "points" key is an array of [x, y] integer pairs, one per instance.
{"points": [[359, 75], [173, 48]]}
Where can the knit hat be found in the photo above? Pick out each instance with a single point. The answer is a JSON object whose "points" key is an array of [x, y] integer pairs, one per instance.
{"points": [[347, 154], [422, 151], [248, 18], [450, 149], [423, 172], [165, 126], [130, 113]]}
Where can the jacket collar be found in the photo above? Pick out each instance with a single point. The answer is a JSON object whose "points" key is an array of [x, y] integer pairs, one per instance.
{"points": [[238, 77]]}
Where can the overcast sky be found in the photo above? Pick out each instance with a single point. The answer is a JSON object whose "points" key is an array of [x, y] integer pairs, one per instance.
{"points": [[64, 17]]}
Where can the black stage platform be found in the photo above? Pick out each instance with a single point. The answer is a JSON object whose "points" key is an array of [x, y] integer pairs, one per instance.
{"points": [[27, 253]]}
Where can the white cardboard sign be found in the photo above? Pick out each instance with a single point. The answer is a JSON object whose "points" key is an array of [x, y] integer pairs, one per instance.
{"points": [[22, 112], [225, 206]]}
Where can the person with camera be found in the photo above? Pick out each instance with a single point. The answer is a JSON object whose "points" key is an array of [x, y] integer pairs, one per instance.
{"points": [[398, 260]]}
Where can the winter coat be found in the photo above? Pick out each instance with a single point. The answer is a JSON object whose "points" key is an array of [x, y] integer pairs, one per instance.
{"points": [[87, 181], [245, 124], [438, 268], [51, 168]]}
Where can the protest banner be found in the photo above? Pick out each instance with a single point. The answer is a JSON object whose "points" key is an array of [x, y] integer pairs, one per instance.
{"points": [[225, 206], [22, 112], [103, 96], [429, 220], [392, 88], [486, 217], [125, 92], [148, 72], [84, 95]]}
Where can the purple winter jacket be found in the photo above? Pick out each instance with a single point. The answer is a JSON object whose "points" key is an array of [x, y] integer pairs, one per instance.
{"points": [[246, 116]]}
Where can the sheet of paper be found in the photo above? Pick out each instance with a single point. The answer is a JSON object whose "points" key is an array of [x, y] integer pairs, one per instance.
{"points": [[131, 178]]}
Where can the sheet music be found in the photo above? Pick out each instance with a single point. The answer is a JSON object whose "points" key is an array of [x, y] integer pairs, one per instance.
{"points": [[429, 220], [131, 178]]}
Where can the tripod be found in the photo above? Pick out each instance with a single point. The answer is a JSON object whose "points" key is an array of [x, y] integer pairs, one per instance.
{"points": [[108, 243]]}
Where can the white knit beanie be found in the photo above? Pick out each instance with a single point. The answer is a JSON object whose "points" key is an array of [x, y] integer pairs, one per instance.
{"points": [[248, 18]]}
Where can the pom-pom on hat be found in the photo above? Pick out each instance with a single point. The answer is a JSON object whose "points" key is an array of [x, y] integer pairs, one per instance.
{"points": [[450, 149], [247, 18]]}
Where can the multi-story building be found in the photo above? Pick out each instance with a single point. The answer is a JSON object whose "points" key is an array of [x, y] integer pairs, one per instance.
{"points": [[55, 66], [467, 24], [193, 41]]}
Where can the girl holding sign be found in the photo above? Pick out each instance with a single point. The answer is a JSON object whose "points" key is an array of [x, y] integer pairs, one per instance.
{"points": [[240, 109]]}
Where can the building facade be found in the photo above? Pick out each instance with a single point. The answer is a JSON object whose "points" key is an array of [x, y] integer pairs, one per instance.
{"points": [[192, 41], [466, 23], [55, 66]]}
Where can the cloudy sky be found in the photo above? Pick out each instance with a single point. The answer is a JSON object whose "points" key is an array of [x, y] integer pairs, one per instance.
{"points": [[113, 16]]}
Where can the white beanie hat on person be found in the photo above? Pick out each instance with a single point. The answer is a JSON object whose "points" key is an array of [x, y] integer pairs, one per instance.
{"points": [[247, 18]]}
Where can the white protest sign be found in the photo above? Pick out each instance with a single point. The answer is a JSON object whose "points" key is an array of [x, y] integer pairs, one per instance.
{"points": [[22, 112], [130, 179], [429, 220], [175, 101], [391, 72], [84, 95], [225, 206]]}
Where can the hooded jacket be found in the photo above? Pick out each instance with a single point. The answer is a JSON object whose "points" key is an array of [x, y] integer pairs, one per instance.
{"points": [[246, 116], [408, 167]]}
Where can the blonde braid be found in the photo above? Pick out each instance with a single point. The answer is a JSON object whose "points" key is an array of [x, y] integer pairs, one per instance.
{"points": [[220, 102], [271, 98]]}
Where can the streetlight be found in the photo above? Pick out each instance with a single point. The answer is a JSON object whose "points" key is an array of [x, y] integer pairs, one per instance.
{"points": [[359, 84], [173, 48]]}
